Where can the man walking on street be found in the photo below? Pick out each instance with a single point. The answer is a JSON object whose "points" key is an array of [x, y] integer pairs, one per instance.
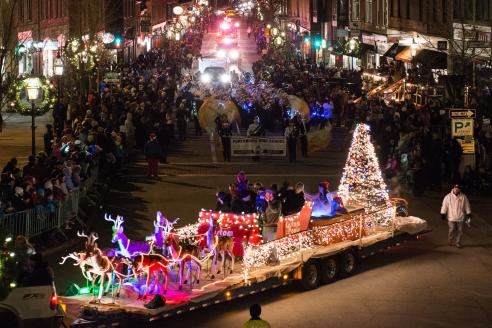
{"points": [[152, 155], [225, 134], [291, 133], [456, 209], [48, 139], [181, 118]]}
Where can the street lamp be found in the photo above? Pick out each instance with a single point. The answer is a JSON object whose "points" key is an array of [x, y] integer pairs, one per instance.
{"points": [[58, 69], [34, 93]]}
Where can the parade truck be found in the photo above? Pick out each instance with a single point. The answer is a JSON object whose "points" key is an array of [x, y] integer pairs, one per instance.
{"points": [[231, 260]]}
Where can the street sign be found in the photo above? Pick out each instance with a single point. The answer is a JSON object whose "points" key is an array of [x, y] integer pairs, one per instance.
{"points": [[462, 127], [462, 112], [467, 145], [112, 78], [478, 44]]}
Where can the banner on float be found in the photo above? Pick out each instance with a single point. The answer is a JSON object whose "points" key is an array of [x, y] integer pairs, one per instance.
{"points": [[252, 146]]}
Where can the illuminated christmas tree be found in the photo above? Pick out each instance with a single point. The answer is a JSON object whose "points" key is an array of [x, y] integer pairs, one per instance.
{"points": [[362, 183]]}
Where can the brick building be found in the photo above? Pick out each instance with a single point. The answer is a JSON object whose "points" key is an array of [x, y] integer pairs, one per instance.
{"points": [[44, 25]]}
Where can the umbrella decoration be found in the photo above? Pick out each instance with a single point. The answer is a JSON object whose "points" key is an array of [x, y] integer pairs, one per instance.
{"points": [[212, 108], [319, 139], [265, 94], [299, 106]]}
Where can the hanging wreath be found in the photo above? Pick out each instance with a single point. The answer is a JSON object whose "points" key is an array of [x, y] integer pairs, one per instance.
{"points": [[21, 104], [352, 46], [80, 51]]}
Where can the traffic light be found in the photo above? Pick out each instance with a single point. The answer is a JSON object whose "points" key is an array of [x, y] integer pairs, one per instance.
{"points": [[307, 39], [118, 41], [317, 42]]}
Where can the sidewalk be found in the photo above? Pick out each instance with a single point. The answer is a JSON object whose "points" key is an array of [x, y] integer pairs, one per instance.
{"points": [[15, 136]]}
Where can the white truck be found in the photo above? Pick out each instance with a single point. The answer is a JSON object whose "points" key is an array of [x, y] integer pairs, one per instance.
{"points": [[35, 306]]}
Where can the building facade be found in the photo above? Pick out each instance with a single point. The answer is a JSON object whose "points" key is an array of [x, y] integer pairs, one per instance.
{"points": [[43, 26]]}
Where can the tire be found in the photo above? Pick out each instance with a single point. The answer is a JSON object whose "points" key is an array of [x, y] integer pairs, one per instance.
{"points": [[311, 275], [348, 263], [329, 270]]}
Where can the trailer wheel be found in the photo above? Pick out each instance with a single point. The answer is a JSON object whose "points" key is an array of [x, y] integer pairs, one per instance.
{"points": [[311, 276], [348, 263], [329, 270]]}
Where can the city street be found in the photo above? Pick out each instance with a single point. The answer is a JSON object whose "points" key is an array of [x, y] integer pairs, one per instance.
{"points": [[326, 87], [424, 283]]}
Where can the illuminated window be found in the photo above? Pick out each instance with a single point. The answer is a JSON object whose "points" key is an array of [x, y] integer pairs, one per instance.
{"points": [[355, 10], [368, 12]]}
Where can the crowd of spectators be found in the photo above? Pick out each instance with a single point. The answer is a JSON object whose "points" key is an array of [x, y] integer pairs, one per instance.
{"points": [[414, 145], [104, 129]]}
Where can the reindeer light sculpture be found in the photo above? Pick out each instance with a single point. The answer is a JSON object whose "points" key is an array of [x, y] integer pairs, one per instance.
{"points": [[224, 245], [126, 246], [151, 264], [183, 252], [94, 264]]}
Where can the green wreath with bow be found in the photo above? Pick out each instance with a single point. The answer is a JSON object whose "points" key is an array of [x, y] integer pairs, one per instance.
{"points": [[21, 104]]}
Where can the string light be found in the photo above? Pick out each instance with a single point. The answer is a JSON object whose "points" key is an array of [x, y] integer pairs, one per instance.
{"points": [[349, 228]]}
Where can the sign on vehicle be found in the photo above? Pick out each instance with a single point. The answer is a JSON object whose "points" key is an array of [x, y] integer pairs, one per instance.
{"points": [[464, 113], [461, 127]]}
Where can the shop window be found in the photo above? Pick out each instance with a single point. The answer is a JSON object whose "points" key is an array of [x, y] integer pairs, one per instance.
{"points": [[408, 9], [391, 8], [29, 10], [469, 10], [457, 8], [368, 10], [482, 10], [444, 11], [398, 8], [355, 10]]}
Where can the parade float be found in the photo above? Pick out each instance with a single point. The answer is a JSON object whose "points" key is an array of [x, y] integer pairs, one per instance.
{"points": [[222, 256]]}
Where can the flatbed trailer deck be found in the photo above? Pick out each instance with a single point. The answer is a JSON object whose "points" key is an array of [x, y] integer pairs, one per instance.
{"points": [[312, 267]]}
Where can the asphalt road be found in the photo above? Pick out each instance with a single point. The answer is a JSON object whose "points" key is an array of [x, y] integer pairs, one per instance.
{"points": [[425, 283]]}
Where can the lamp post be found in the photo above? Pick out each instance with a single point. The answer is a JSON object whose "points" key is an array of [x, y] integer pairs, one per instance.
{"points": [[34, 93], [58, 70]]}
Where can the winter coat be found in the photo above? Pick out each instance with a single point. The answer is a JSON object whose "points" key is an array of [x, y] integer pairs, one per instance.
{"points": [[153, 150], [456, 207]]}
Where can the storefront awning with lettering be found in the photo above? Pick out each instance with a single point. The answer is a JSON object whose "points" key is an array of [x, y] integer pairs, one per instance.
{"points": [[405, 55], [394, 50]]}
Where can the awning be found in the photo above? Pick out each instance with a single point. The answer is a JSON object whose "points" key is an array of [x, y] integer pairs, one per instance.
{"points": [[405, 55], [364, 47], [432, 58], [393, 50], [338, 48]]}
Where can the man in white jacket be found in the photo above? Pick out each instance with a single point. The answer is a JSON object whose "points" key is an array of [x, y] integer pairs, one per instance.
{"points": [[456, 209]]}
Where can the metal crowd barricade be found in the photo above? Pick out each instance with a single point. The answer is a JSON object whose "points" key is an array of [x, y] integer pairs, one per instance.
{"points": [[38, 220]]}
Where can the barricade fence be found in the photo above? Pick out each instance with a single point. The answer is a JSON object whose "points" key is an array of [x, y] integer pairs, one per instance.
{"points": [[38, 220]]}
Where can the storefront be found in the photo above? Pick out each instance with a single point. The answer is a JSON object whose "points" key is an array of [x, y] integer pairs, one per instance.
{"points": [[376, 46]]}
